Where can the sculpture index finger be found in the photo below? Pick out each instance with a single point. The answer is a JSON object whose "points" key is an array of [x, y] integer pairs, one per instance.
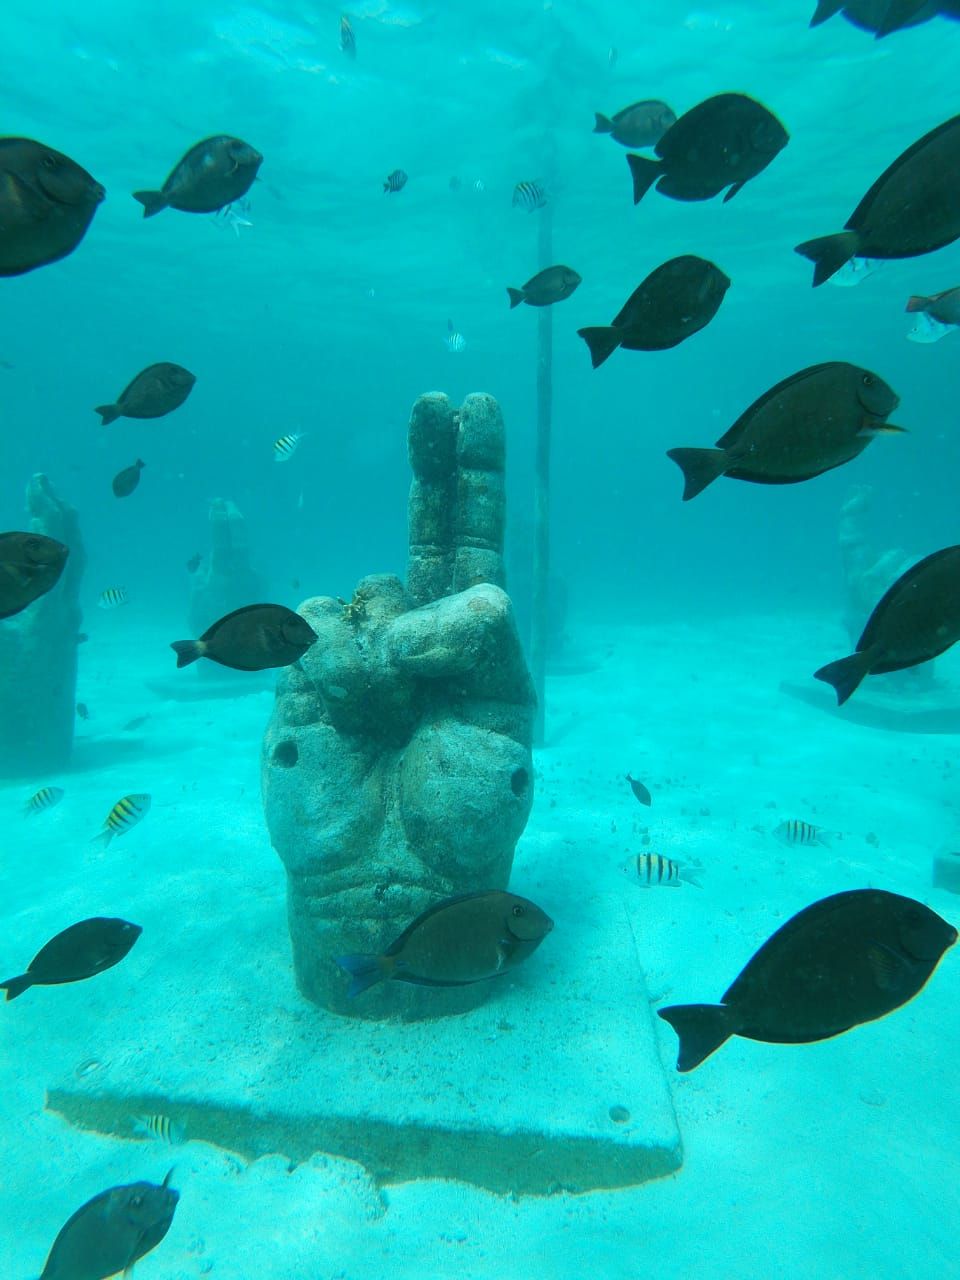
{"points": [[431, 445]]}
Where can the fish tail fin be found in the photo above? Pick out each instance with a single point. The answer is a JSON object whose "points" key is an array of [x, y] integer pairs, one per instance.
{"points": [[917, 302], [139, 464], [108, 413], [825, 9], [603, 123], [700, 467], [152, 201], [188, 651], [898, 14], [702, 1029], [845, 674], [103, 837], [644, 173], [602, 340], [16, 986], [691, 875], [829, 253], [365, 969], [386, 186], [516, 297]]}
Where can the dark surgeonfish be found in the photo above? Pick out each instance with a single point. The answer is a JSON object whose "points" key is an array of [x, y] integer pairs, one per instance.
{"points": [[213, 173], [155, 391], [639, 790], [916, 620], [455, 942], [551, 285], [79, 952], [251, 639], [641, 125], [847, 959], [811, 422], [883, 16], [937, 315], [30, 564], [723, 142], [47, 202], [675, 301], [125, 481], [913, 208], [112, 1231]]}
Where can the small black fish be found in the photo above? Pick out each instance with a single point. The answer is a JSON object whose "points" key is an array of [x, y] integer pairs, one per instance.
{"points": [[30, 565], [807, 424], [913, 208], [917, 619], [457, 941], [47, 202], [136, 723], [193, 564], [639, 790], [847, 959], [79, 952], [529, 196], [83, 711], [254, 638], [155, 391], [348, 41], [213, 173], [112, 1231], [395, 182], [551, 285], [641, 125], [722, 142], [676, 300], [125, 481]]}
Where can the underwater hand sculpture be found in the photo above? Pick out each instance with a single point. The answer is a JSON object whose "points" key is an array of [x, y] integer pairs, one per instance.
{"points": [[397, 767]]}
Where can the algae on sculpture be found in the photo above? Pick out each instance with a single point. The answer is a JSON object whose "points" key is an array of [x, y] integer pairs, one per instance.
{"points": [[397, 765], [38, 653]]}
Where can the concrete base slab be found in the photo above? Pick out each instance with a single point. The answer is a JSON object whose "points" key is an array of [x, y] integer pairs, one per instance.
{"points": [[530, 1094]]}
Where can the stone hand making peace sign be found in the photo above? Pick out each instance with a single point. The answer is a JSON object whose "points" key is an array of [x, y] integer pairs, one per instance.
{"points": [[397, 767]]}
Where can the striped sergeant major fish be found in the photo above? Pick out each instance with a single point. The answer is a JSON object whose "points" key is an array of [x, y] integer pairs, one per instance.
{"points": [[45, 798], [126, 813], [796, 831], [395, 181], [286, 446], [650, 870], [112, 598], [529, 196], [159, 1127], [348, 41], [455, 342]]}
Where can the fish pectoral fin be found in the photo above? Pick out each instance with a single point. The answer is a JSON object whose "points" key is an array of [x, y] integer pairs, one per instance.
{"points": [[25, 199], [889, 969], [870, 428]]}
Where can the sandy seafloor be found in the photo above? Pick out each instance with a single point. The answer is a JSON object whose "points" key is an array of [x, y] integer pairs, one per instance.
{"points": [[834, 1161]]}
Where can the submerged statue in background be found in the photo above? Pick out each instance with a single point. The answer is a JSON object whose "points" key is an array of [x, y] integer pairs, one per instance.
{"points": [[397, 766], [225, 579], [867, 575], [38, 653]]}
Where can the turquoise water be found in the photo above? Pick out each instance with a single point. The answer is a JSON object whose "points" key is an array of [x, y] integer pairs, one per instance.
{"points": [[327, 316]]}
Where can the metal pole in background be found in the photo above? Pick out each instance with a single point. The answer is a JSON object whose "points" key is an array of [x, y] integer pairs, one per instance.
{"points": [[541, 493]]}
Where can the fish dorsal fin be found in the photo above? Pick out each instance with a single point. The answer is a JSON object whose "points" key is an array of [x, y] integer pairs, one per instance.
{"points": [[862, 211], [731, 436], [398, 944]]}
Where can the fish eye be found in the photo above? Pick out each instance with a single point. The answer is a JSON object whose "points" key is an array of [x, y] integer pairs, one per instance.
{"points": [[48, 162], [136, 1202], [518, 910], [868, 379]]}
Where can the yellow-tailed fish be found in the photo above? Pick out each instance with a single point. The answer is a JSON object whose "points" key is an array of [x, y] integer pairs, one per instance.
{"points": [[650, 870], [796, 831], [126, 813], [45, 798], [112, 598], [286, 446], [159, 1127]]}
